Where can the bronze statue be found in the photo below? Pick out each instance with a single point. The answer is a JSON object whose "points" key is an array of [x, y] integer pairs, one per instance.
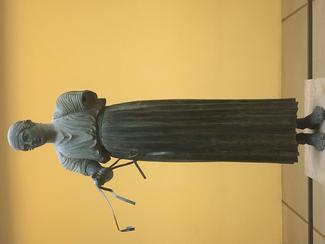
{"points": [[86, 133]]}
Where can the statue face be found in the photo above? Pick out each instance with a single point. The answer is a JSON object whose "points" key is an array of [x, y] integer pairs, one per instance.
{"points": [[32, 137]]}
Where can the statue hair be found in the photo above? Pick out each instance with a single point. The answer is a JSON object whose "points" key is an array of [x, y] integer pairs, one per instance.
{"points": [[14, 131]]}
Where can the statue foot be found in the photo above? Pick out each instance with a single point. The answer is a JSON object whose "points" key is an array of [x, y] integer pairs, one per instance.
{"points": [[313, 120], [317, 140], [317, 116]]}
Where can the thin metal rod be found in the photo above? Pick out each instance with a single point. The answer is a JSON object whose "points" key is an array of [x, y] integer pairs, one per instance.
{"points": [[140, 170], [122, 165], [112, 166], [310, 76]]}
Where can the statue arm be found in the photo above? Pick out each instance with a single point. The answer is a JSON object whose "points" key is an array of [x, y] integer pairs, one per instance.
{"points": [[87, 167], [90, 100], [77, 101], [83, 166]]}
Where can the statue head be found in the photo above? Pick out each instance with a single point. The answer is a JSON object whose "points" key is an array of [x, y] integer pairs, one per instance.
{"points": [[26, 135]]}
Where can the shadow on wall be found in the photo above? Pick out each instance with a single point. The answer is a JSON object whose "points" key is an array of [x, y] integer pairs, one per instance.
{"points": [[5, 210]]}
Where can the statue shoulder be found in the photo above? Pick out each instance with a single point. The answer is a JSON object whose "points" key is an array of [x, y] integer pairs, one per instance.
{"points": [[77, 101]]}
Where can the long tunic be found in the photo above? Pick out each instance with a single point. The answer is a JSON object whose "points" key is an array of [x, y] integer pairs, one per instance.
{"points": [[175, 130], [202, 130]]}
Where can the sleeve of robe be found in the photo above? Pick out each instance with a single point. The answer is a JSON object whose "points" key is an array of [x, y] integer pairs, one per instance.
{"points": [[77, 101], [80, 166]]}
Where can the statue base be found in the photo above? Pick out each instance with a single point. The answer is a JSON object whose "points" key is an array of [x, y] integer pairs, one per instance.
{"points": [[314, 159]]}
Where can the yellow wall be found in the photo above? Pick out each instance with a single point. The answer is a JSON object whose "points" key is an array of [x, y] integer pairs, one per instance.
{"points": [[127, 50]]}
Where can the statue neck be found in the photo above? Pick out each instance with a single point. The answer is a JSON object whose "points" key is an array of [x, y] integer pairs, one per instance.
{"points": [[50, 132]]}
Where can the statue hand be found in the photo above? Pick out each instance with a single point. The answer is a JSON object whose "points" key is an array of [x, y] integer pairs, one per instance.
{"points": [[102, 176]]}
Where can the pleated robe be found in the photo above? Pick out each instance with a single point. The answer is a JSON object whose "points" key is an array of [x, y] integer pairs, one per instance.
{"points": [[201, 130]]}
